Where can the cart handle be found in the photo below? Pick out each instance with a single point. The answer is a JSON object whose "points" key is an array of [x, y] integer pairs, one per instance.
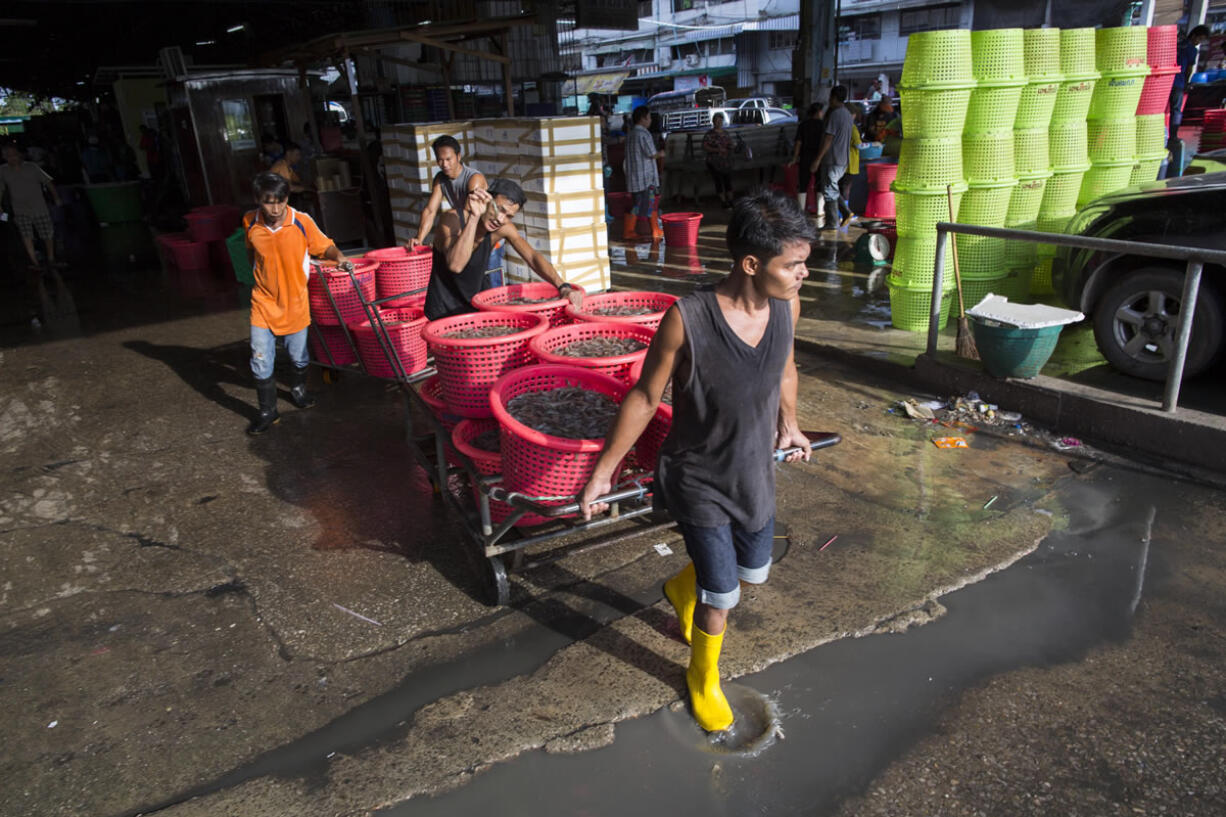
{"points": [[817, 440]]}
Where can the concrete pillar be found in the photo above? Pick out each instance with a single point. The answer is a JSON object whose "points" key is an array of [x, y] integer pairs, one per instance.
{"points": [[1147, 12], [1196, 14]]}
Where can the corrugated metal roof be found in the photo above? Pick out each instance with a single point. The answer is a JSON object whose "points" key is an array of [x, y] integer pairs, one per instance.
{"points": [[788, 22]]}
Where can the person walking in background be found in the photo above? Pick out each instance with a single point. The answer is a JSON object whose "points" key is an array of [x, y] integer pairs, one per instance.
{"points": [[805, 149], [717, 148], [1189, 53], [454, 181], [642, 178], [877, 119], [832, 158], [27, 183], [853, 170]]}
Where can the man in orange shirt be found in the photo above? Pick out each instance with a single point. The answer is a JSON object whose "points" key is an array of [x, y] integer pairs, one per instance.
{"points": [[284, 167], [281, 241]]}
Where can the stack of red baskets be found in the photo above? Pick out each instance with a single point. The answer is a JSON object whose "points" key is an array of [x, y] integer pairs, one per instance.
{"points": [[328, 341], [657, 302], [402, 332], [1213, 135], [402, 270], [552, 306], [880, 197], [545, 346], [1162, 54]]}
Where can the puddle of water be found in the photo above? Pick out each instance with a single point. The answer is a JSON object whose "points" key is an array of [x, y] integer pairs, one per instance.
{"points": [[851, 707]]}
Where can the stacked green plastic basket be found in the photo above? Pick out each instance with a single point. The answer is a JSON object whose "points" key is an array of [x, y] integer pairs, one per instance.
{"points": [[1151, 147], [936, 87], [988, 156], [1121, 59]]}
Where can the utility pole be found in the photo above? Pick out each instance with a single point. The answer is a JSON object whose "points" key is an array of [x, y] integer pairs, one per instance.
{"points": [[815, 60]]}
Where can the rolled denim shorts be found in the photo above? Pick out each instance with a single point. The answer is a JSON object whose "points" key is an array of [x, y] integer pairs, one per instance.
{"points": [[725, 556]]}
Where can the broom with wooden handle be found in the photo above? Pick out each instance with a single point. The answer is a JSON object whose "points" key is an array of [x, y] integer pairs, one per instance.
{"points": [[965, 344]]}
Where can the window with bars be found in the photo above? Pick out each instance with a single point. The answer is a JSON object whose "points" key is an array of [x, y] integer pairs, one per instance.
{"points": [[683, 5], [645, 9], [927, 19], [862, 27], [781, 40]]}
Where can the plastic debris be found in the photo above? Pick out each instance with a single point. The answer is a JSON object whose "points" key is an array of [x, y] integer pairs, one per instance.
{"points": [[357, 615], [663, 549], [916, 411], [988, 504], [950, 442], [829, 542]]}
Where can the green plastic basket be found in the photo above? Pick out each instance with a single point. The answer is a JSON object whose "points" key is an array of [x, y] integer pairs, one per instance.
{"points": [[975, 290], [1008, 351], [1026, 199], [916, 214], [1040, 278], [1067, 146], [1041, 53], [1146, 169], [929, 164], [915, 259], [997, 56], [1016, 284], [980, 257], [1102, 179], [1030, 152], [1036, 104], [1112, 140], [910, 307], [987, 158], [1020, 253], [986, 205], [236, 246], [938, 59], [1061, 191], [992, 108], [934, 113], [1073, 99], [1121, 50], [1116, 97], [1077, 52], [1151, 134]]}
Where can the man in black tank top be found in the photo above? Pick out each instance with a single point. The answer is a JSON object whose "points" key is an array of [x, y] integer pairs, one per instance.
{"points": [[461, 252], [728, 351]]}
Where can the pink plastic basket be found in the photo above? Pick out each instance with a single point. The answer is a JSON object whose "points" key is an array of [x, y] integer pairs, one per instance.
{"points": [[469, 366], [618, 204], [545, 345], [495, 300], [213, 223], [1156, 93], [431, 393], [681, 229], [1162, 49], [881, 175], [487, 463], [325, 339], [880, 204], [402, 270], [185, 253], [403, 326], [349, 307], [542, 465], [657, 302]]}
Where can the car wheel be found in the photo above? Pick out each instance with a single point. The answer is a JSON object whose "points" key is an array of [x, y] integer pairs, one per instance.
{"points": [[1136, 322]]}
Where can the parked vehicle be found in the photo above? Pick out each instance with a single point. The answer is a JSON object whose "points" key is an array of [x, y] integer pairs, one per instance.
{"points": [[687, 110], [1213, 161], [1134, 301], [752, 102]]}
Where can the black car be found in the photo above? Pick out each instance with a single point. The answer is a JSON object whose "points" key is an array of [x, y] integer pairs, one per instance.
{"points": [[1134, 301]]}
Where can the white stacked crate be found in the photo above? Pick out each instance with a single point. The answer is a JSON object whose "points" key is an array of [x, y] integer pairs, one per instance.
{"points": [[410, 166]]}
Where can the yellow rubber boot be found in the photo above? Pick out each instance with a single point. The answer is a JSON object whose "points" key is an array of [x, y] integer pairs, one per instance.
{"points": [[682, 593], [707, 700]]}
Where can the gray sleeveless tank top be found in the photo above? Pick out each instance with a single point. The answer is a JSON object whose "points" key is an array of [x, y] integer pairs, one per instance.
{"points": [[456, 190], [715, 467]]}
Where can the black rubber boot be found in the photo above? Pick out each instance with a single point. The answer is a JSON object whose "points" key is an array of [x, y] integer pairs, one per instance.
{"points": [[297, 389], [266, 391]]}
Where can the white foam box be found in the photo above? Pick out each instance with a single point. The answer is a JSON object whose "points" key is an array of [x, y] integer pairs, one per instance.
{"points": [[560, 136], [493, 167], [561, 211], [501, 131], [593, 277], [567, 174], [579, 245]]}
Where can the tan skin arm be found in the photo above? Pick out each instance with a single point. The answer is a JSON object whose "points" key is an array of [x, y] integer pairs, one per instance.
{"points": [[539, 263], [827, 141], [637, 409], [788, 434], [427, 216]]}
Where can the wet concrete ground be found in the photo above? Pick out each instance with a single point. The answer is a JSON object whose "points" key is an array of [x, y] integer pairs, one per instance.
{"points": [[195, 622]]}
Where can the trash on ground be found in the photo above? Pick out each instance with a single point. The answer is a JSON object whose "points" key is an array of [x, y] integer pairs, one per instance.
{"points": [[357, 615], [950, 442], [829, 542], [988, 504], [663, 549], [916, 411]]}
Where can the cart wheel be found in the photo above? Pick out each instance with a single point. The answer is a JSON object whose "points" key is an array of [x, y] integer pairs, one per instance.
{"points": [[499, 587], [331, 376]]}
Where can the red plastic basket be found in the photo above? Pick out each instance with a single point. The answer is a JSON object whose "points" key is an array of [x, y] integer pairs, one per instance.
{"points": [[325, 339], [541, 465], [487, 463], [881, 175], [469, 366], [402, 270], [183, 252], [213, 223], [1156, 93], [349, 307], [681, 229], [431, 393], [544, 347], [1162, 48], [618, 204], [495, 300], [880, 204], [657, 302], [403, 326]]}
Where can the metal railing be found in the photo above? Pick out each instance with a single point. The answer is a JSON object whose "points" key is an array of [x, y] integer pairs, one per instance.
{"points": [[1194, 257]]}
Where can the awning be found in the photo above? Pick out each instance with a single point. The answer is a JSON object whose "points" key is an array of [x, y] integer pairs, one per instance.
{"points": [[788, 22], [609, 83]]}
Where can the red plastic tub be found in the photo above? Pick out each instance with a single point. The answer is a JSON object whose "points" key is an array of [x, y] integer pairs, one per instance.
{"points": [[495, 300], [403, 326], [541, 465], [880, 204], [1156, 93], [681, 229], [213, 223], [431, 393], [349, 308], [657, 302], [881, 175], [1163, 47], [487, 463], [331, 339], [545, 345], [468, 367], [402, 270], [619, 204], [183, 253]]}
